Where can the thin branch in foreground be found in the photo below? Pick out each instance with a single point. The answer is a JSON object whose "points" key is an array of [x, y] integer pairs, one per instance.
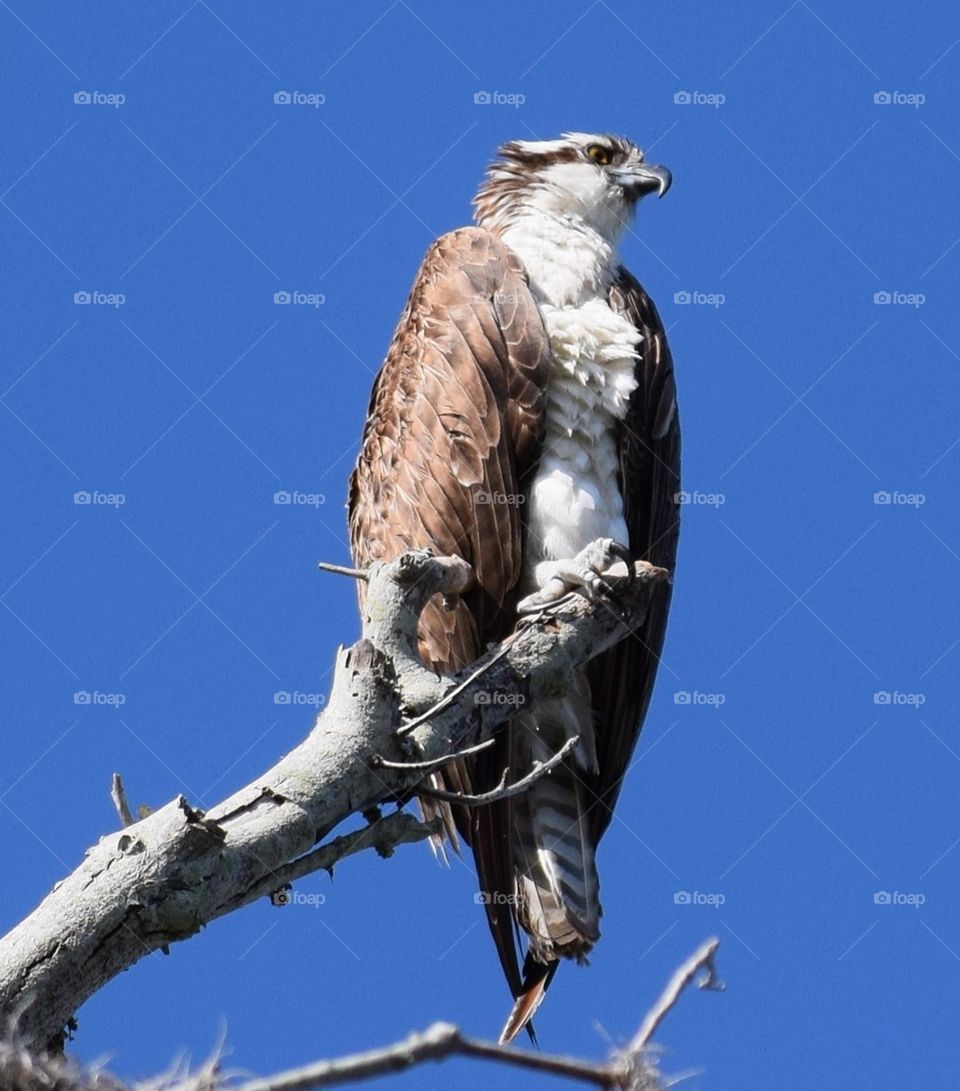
{"points": [[503, 790], [436, 1043], [702, 958], [380, 762], [343, 570], [383, 835], [447, 700], [119, 796], [629, 1069]]}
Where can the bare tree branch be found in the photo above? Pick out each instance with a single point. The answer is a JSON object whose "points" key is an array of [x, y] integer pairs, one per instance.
{"points": [[383, 835], [119, 797], [434, 1044], [503, 790], [343, 570], [702, 958], [164, 877], [380, 762], [630, 1069], [449, 698]]}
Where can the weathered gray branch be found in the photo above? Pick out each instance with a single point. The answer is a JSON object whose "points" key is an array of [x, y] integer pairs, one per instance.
{"points": [[628, 1069], [161, 879], [632, 1068]]}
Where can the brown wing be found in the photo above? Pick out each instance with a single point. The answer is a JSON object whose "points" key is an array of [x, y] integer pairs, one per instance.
{"points": [[455, 419], [622, 679]]}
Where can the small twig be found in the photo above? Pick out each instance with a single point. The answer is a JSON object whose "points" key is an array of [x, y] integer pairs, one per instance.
{"points": [[502, 790], [702, 958], [383, 835], [343, 570], [450, 697], [379, 762], [119, 797]]}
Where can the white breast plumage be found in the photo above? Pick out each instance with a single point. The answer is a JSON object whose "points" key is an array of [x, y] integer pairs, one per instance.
{"points": [[575, 496]]}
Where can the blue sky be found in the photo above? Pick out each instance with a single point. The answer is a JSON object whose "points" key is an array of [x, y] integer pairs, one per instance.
{"points": [[797, 786]]}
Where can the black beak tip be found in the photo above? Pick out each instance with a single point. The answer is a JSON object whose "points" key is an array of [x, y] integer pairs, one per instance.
{"points": [[665, 181]]}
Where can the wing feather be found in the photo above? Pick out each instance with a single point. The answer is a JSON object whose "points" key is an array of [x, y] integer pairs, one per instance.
{"points": [[458, 410], [622, 679]]}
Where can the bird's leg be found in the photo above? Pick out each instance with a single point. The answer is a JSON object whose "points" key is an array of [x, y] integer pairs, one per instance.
{"points": [[595, 572]]}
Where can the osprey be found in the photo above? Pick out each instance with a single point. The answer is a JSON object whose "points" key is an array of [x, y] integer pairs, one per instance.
{"points": [[525, 419]]}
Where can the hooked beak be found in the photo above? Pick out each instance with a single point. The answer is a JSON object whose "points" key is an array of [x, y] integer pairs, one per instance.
{"points": [[643, 178]]}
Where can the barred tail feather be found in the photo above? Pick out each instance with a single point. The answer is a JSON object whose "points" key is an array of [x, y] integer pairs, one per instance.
{"points": [[557, 886]]}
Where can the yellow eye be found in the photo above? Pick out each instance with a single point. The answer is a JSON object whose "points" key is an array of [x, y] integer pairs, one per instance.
{"points": [[599, 154]]}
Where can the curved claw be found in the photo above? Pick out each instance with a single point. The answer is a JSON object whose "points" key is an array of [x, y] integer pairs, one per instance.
{"points": [[615, 549]]}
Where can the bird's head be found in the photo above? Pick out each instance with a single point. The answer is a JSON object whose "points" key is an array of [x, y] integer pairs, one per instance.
{"points": [[595, 178]]}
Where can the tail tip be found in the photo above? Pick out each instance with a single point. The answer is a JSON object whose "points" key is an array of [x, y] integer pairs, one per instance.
{"points": [[526, 1004]]}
